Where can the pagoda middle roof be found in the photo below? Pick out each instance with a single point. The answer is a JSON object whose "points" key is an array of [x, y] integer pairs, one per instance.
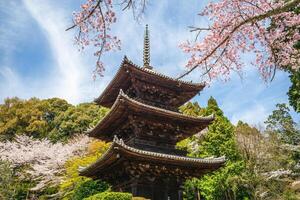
{"points": [[125, 105], [119, 150], [122, 80]]}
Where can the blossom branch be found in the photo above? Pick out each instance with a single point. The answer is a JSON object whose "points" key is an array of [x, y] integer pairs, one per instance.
{"points": [[234, 26]]}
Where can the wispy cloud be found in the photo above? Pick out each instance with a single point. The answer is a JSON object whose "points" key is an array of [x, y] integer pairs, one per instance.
{"points": [[11, 82], [68, 72], [12, 18], [254, 115], [68, 61]]}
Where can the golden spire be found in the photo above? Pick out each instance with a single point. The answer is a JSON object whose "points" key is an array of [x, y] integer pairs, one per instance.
{"points": [[147, 49]]}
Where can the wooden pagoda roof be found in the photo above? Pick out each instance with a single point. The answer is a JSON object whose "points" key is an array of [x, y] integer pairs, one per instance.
{"points": [[125, 105], [122, 80], [119, 150]]}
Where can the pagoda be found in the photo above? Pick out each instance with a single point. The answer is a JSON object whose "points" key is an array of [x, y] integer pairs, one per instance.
{"points": [[144, 126]]}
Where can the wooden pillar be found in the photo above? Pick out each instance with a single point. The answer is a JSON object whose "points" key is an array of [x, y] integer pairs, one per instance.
{"points": [[180, 194], [167, 190], [134, 189]]}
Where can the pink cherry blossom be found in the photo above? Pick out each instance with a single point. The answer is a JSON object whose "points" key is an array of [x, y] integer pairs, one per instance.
{"points": [[266, 28], [94, 22], [45, 159]]}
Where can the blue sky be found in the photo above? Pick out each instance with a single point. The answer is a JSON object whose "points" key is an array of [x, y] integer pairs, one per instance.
{"points": [[38, 58]]}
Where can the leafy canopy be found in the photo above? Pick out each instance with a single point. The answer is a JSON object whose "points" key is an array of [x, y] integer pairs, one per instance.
{"points": [[54, 118], [219, 140], [72, 183]]}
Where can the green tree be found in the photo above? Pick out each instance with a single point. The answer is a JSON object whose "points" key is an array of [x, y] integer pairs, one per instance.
{"points": [[32, 117], [269, 163], [11, 186], [74, 186], [53, 118], [192, 109], [76, 120], [282, 123], [294, 90], [88, 188], [111, 196], [219, 140]]}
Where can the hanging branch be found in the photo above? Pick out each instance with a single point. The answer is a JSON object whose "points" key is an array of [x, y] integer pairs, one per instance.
{"points": [[234, 27]]}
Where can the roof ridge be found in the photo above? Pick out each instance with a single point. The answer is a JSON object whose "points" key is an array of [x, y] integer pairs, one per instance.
{"points": [[122, 94], [160, 74], [120, 143], [111, 81]]}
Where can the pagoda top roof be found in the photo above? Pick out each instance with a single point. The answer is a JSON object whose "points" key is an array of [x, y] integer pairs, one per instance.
{"points": [[119, 150], [125, 105], [122, 81]]}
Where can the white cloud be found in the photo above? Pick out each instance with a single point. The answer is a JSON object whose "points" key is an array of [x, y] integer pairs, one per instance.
{"points": [[11, 81], [12, 18], [67, 60], [69, 71], [254, 115]]}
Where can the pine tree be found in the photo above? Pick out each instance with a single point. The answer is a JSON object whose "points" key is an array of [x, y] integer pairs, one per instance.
{"points": [[218, 141]]}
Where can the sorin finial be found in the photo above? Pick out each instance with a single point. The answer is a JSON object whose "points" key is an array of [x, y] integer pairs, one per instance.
{"points": [[147, 49]]}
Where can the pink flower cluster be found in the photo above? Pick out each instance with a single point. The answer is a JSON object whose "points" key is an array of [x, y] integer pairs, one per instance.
{"points": [[94, 23], [45, 159], [266, 28]]}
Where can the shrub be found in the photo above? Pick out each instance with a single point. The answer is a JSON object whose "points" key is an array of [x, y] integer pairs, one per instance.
{"points": [[110, 196], [72, 179], [89, 188]]}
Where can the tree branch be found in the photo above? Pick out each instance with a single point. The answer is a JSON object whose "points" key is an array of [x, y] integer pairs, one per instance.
{"points": [[88, 16], [254, 19]]}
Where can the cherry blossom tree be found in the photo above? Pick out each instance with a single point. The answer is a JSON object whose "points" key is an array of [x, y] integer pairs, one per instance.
{"points": [[267, 28], [94, 22], [45, 159]]}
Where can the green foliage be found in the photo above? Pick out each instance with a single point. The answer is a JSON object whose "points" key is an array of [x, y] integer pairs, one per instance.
{"points": [[47, 193], [76, 119], [294, 90], [221, 184], [281, 123], [110, 196], [88, 188], [251, 156], [72, 182], [32, 117], [54, 118], [192, 109], [139, 198], [219, 140], [11, 186]]}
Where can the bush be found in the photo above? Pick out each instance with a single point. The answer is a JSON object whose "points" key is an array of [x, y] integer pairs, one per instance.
{"points": [[72, 180], [89, 188], [110, 196], [11, 185]]}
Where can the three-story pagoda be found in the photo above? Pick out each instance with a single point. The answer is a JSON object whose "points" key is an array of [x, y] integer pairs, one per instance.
{"points": [[145, 125]]}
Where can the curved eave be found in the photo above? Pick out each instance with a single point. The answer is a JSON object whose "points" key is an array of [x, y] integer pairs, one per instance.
{"points": [[123, 104], [119, 149], [122, 81]]}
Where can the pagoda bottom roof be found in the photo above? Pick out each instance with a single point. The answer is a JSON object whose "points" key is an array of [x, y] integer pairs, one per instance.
{"points": [[122, 160]]}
